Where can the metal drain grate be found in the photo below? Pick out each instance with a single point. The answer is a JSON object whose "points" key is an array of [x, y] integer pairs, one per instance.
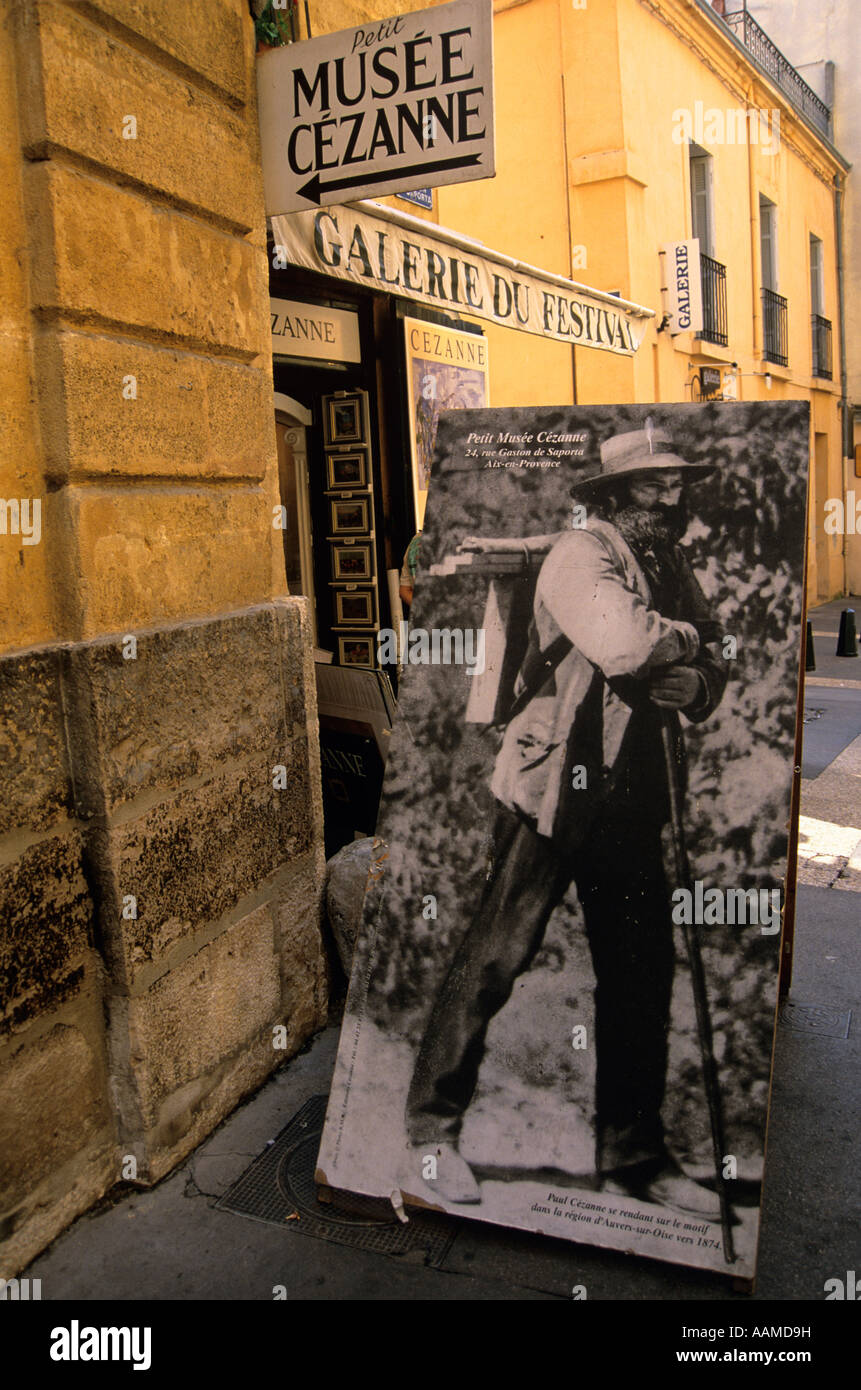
{"points": [[280, 1185], [825, 1019]]}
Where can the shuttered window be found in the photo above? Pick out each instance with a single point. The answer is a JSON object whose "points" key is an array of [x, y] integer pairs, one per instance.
{"points": [[816, 295], [701, 201], [768, 243]]}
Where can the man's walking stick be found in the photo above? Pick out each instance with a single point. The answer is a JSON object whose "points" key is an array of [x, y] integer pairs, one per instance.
{"points": [[698, 983]]}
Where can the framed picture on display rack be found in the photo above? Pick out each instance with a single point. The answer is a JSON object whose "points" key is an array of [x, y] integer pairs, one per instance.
{"points": [[354, 608], [356, 650], [350, 518], [352, 562], [343, 419], [347, 470]]}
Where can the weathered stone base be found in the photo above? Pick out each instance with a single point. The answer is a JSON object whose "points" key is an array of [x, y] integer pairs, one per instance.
{"points": [[161, 868], [57, 1132], [212, 1028]]}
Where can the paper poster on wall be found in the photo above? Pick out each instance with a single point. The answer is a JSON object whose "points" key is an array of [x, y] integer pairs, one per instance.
{"points": [[561, 1014], [446, 370]]}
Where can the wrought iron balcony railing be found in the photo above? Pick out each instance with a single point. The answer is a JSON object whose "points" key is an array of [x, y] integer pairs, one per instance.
{"points": [[769, 57], [713, 279], [821, 346], [775, 335]]}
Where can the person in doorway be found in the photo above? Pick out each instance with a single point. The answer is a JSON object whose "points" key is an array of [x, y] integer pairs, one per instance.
{"points": [[616, 651], [407, 581]]}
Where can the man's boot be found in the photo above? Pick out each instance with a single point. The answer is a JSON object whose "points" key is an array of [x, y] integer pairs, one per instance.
{"points": [[667, 1186]]}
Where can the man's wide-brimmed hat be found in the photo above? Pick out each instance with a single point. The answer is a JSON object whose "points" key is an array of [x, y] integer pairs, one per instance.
{"points": [[638, 452]]}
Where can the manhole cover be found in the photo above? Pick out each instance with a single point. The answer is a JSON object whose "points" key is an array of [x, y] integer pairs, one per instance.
{"points": [[279, 1187], [295, 1178], [825, 1019]]}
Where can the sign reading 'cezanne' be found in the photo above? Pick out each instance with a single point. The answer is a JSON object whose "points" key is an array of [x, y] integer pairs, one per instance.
{"points": [[391, 105], [380, 254], [312, 330]]}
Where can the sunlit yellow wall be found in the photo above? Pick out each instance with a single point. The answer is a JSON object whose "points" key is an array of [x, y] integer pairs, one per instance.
{"points": [[587, 100], [670, 67], [523, 210]]}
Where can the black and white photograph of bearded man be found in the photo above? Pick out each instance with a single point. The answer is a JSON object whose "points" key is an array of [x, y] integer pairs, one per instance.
{"points": [[546, 1029]]}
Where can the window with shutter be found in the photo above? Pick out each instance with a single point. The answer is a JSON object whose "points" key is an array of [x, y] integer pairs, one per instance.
{"points": [[816, 294], [767, 241], [701, 211]]}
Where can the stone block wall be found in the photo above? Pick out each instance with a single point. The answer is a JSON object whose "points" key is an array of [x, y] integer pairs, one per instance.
{"points": [[160, 828]]}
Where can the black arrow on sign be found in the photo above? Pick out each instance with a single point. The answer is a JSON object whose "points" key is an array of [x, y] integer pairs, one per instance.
{"points": [[313, 190]]}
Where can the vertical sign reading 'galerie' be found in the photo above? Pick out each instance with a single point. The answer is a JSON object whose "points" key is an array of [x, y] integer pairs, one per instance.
{"points": [[562, 1006]]}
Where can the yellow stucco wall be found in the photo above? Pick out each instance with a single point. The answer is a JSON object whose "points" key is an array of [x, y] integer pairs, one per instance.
{"points": [[522, 212], [586, 102]]}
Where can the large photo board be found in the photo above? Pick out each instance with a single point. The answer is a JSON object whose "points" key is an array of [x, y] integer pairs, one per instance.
{"points": [[561, 1012]]}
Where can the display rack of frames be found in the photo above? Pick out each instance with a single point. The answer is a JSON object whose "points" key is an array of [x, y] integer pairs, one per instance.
{"points": [[349, 495]]}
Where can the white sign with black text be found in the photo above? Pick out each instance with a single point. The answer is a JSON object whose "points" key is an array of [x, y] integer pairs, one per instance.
{"points": [[684, 287], [314, 330], [395, 104], [379, 253]]}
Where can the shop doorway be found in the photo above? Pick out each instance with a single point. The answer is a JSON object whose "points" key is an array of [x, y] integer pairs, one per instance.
{"points": [[291, 422], [359, 379]]}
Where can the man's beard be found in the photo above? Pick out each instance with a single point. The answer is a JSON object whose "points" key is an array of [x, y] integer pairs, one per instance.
{"points": [[655, 528]]}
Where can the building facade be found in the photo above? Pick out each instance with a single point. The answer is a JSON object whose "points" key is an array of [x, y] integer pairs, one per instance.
{"points": [[161, 841], [216, 436], [647, 124], [624, 128], [823, 42]]}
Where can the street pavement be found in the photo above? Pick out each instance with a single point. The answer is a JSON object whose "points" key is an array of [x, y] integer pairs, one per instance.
{"points": [[829, 854], [170, 1242]]}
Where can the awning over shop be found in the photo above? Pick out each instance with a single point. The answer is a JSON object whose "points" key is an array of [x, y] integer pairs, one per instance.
{"points": [[384, 249]]}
